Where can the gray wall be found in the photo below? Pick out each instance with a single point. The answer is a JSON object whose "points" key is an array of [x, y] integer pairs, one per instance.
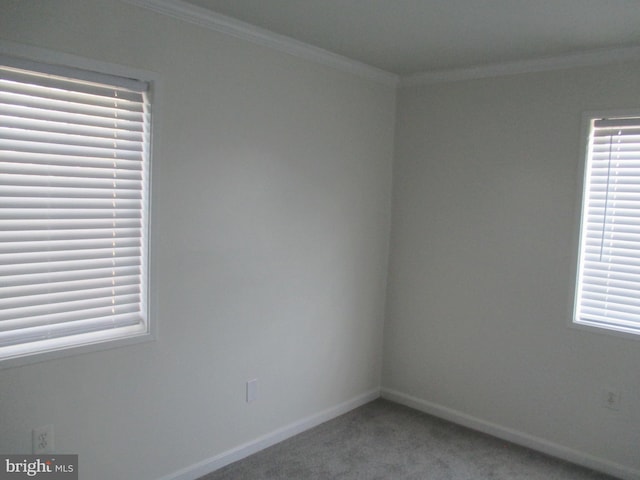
{"points": [[484, 238], [271, 203]]}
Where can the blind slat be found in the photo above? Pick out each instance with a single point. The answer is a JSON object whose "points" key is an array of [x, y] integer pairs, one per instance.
{"points": [[15, 293], [71, 323], [114, 144], [110, 131], [69, 160], [75, 119], [62, 107], [13, 145], [67, 255], [26, 306], [37, 274], [68, 235]]}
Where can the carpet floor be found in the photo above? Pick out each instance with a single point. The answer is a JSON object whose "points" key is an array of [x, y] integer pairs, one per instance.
{"points": [[383, 440]]}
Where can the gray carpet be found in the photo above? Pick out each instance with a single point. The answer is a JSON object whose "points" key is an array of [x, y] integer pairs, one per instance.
{"points": [[384, 440]]}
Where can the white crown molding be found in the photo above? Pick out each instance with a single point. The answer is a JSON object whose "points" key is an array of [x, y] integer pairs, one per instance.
{"points": [[584, 59], [230, 26]]}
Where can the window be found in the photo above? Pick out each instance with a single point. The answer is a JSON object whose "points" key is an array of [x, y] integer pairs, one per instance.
{"points": [[74, 179], [608, 280]]}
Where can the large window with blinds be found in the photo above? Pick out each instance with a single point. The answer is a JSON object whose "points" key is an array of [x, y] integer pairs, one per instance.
{"points": [[608, 280], [74, 189]]}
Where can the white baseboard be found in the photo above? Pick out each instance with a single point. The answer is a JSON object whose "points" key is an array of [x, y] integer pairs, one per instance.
{"points": [[513, 436], [216, 462]]}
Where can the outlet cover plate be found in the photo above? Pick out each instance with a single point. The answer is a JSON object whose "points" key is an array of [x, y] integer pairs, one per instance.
{"points": [[611, 399], [252, 390], [42, 440]]}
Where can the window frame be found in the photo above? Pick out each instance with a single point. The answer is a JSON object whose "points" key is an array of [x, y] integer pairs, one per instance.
{"points": [[148, 299], [588, 118]]}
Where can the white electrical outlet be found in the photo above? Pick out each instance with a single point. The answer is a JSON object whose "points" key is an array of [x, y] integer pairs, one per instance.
{"points": [[611, 399], [252, 390], [42, 440]]}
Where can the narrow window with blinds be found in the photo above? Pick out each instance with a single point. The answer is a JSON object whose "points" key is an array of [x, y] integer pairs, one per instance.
{"points": [[608, 283], [74, 177]]}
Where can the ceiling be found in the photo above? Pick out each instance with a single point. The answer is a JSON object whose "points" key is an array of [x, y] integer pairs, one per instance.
{"points": [[408, 37]]}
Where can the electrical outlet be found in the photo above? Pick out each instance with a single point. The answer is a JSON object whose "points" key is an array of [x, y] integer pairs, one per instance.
{"points": [[42, 440], [611, 399], [252, 390]]}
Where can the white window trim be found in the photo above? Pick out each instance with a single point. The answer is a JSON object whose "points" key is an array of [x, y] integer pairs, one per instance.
{"points": [[587, 118], [72, 348]]}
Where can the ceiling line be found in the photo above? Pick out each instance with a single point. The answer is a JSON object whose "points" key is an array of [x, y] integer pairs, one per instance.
{"points": [[224, 24], [587, 58]]}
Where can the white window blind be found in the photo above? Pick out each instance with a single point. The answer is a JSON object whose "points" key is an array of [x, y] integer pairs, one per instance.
{"points": [[74, 153], [608, 287]]}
